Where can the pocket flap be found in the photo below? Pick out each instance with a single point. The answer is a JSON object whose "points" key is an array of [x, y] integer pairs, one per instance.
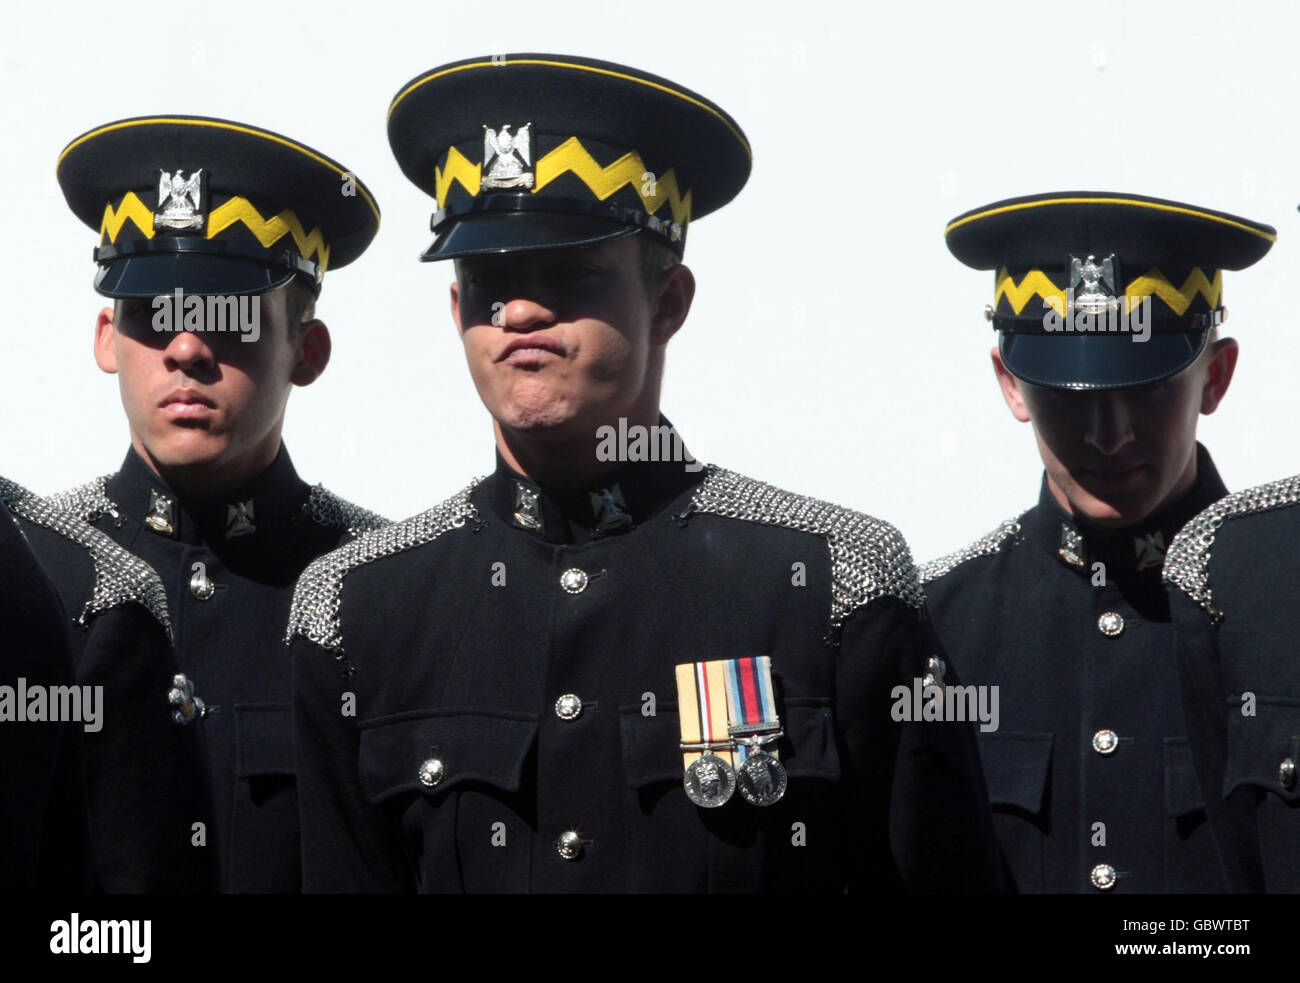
{"points": [[263, 739], [458, 744], [1016, 767], [1259, 745], [652, 745]]}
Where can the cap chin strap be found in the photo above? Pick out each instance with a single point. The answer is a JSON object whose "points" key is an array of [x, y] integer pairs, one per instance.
{"points": [[674, 233], [285, 259]]}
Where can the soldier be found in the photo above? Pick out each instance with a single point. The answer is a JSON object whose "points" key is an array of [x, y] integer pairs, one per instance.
{"points": [[140, 771], [214, 238], [605, 668], [1106, 308], [43, 843], [1232, 573]]}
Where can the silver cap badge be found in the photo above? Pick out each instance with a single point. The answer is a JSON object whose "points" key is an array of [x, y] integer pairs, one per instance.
{"points": [[180, 200], [162, 513], [1098, 280], [507, 157]]}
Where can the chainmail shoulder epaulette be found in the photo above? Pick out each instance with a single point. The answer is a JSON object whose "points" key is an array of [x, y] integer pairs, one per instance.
{"points": [[869, 558], [984, 546], [120, 576], [327, 509], [315, 612], [1187, 561]]}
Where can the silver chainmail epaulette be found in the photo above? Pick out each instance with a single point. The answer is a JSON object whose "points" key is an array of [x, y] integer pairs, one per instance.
{"points": [[1187, 561], [315, 612], [327, 509], [984, 546], [89, 501], [869, 558], [120, 576]]}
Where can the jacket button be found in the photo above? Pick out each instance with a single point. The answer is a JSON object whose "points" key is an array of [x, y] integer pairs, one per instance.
{"points": [[574, 580], [1105, 741], [201, 586], [1103, 877], [431, 772], [1286, 773], [1110, 624], [569, 845], [568, 706]]}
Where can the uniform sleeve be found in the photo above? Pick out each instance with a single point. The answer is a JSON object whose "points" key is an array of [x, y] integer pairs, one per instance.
{"points": [[349, 844], [1204, 694], [926, 822]]}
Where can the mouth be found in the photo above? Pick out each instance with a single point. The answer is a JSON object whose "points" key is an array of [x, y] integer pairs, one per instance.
{"points": [[531, 349], [187, 404], [1112, 479]]}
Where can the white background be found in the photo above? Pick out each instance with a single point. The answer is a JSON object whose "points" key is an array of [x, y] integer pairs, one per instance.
{"points": [[835, 347]]}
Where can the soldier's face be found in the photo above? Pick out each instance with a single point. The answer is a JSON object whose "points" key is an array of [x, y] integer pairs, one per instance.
{"points": [[562, 341], [207, 406], [1114, 457]]}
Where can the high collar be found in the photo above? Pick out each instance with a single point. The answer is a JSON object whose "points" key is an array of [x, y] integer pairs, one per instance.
{"points": [[608, 505], [1133, 550], [262, 508]]}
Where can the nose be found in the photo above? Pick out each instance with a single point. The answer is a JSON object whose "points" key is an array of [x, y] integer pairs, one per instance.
{"points": [[189, 352], [1110, 422], [526, 310]]}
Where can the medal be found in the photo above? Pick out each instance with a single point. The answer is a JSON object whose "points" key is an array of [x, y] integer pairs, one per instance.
{"points": [[751, 706], [709, 775]]}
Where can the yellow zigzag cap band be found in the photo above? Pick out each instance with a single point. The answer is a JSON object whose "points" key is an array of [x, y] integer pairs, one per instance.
{"points": [[1152, 283], [571, 157], [267, 230]]}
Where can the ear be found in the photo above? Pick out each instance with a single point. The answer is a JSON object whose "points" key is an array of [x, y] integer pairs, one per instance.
{"points": [[1218, 373], [676, 293], [455, 307], [1010, 388], [105, 339], [313, 353]]}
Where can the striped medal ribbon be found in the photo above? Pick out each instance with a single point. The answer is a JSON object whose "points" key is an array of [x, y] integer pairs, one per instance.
{"points": [[753, 726], [707, 750]]}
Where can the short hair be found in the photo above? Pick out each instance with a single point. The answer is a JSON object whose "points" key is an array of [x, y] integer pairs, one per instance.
{"points": [[657, 258], [299, 303]]}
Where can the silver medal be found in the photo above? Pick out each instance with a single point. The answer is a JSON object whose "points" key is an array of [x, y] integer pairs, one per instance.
{"points": [[709, 781], [761, 779]]}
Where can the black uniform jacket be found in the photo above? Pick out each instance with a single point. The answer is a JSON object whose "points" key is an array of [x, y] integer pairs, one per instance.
{"points": [[435, 753], [1089, 772], [228, 566], [1233, 576]]}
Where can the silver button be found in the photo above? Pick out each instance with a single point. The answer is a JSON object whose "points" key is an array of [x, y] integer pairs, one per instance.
{"points": [[201, 586], [568, 706], [1103, 877], [1105, 741], [569, 845], [1110, 624], [574, 580], [431, 772], [1286, 773]]}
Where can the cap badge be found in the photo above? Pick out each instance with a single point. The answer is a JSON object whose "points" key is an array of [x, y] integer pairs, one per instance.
{"points": [[161, 517], [528, 510], [1098, 280], [507, 157], [180, 200], [1150, 549]]}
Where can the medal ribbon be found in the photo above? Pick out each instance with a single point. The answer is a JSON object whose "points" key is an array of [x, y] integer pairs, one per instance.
{"points": [[749, 696], [702, 708]]}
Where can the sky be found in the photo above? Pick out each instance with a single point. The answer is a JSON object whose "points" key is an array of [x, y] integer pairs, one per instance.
{"points": [[835, 347]]}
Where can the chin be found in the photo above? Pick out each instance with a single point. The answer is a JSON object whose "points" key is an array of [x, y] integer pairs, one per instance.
{"points": [[188, 450]]}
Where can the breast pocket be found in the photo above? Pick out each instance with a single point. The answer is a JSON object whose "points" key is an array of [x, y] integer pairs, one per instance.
{"points": [[1017, 769], [264, 855], [459, 782], [1262, 754], [796, 844]]}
